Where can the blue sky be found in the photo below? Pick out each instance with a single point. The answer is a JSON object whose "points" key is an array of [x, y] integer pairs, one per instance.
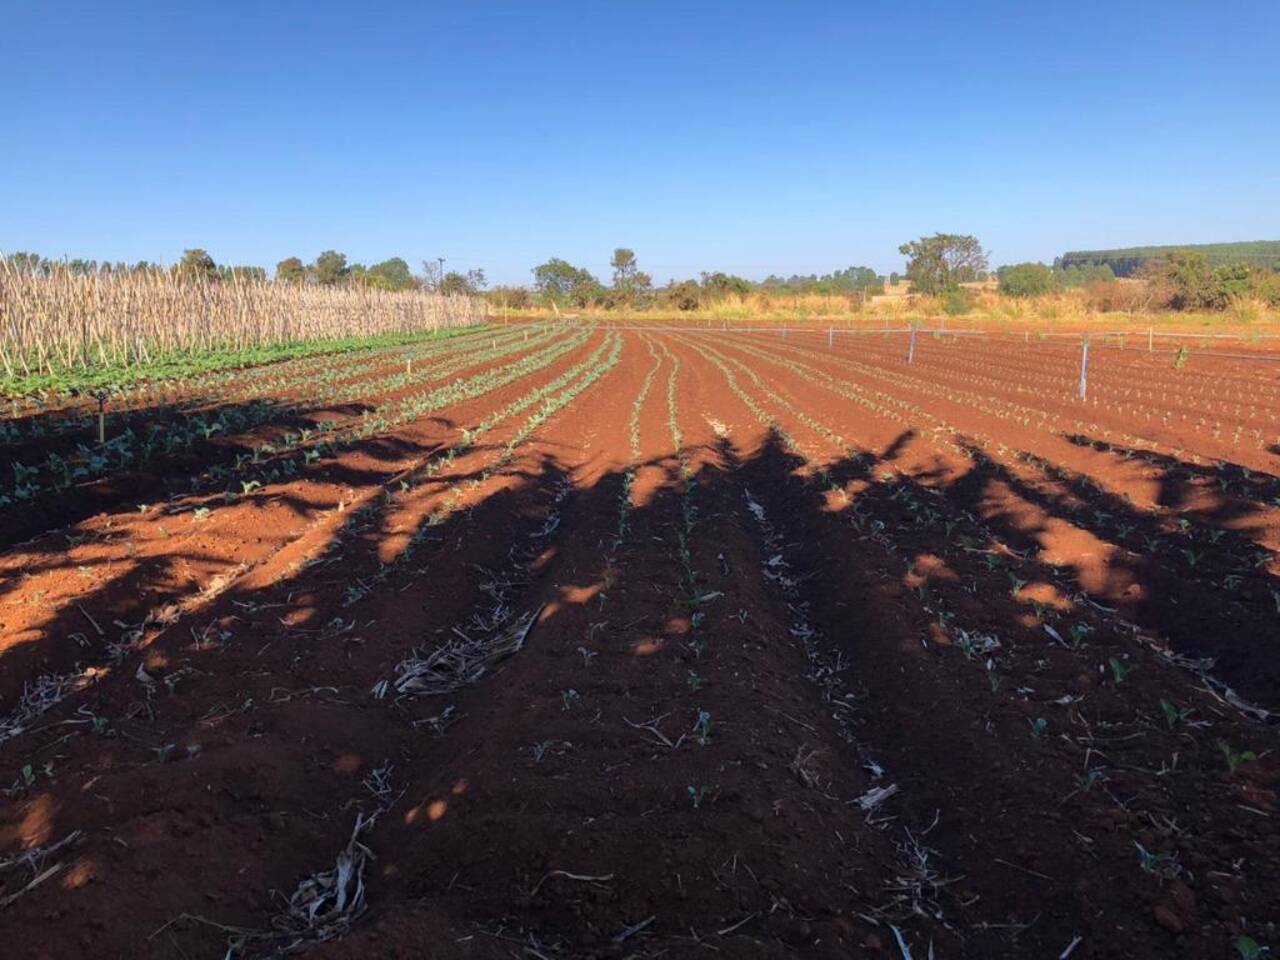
{"points": [[743, 136]]}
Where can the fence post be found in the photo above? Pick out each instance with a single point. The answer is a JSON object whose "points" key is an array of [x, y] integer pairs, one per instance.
{"points": [[1151, 335], [101, 397], [1084, 369], [830, 337], [911, 347]]}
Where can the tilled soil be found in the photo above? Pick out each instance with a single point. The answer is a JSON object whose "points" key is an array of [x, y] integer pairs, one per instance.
{"points": [[753, 646]]}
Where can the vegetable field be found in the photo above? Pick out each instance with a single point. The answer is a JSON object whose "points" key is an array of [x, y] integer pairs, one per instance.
{"points": [[571, 642]]}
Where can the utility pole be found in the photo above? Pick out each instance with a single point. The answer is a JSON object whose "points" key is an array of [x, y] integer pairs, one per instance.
{"points": [[440, 275]]}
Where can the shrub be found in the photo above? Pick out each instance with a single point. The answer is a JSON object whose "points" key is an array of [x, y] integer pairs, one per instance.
{"points": [[685, 295], [957, 303], [1027, 280], [1111, 296]]}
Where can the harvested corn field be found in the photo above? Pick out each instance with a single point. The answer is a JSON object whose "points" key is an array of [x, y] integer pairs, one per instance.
{"points": [[570, 642]]}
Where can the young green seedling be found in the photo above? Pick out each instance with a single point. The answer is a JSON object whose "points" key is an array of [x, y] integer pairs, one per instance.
{"points": [[1249, 948], [1173, 716], [698, 794], [1235, 759], [1120, 670], [702, 728]]}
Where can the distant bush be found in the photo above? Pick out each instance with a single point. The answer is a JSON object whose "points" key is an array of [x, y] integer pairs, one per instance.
{"points": [[685, 295], [957, 303], [1075, 277], [1186, 280], [1027, 280], [1117, 296]]}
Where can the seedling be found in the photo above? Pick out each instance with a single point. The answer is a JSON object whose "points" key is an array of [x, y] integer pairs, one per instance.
{"points": [[1039, 727], [1120, 670], [1173, 716], [1163, 865], [698, 794], [1235, 759], [695, 681], [569, 698], [1090, 777], [202, 513], [587, 655], [1249, 948], [702, 728]]}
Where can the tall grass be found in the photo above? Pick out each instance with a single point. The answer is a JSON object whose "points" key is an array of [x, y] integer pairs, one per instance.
{"points": [[65, 321]]}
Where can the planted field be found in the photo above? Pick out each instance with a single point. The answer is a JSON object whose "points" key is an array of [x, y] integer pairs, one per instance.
{"points": [[565, 642]]}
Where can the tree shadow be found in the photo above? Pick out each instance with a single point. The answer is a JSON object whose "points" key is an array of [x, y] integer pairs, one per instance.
{"points": [[258, 705], [1181, 482], [1204, 591]]}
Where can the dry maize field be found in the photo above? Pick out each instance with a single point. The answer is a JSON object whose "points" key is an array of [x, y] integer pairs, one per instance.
{"points": [[560, 641]]}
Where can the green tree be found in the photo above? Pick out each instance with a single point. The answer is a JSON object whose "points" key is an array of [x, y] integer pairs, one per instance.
{"points": [[719, 285], [330, 268], [1027, 280], [454, 284], [393, 274], [291, 270], [625, 269], [943, 261], [559, 281], [242, 273], [196, 264]]}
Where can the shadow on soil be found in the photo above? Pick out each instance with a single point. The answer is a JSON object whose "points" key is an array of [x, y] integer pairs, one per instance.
{"points": [[384, 586]]}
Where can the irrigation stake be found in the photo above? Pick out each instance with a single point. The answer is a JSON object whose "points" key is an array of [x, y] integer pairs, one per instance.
{"points": [[101, 397], [1084, 368], [1151, 333], [911, 347], [830, 335]]}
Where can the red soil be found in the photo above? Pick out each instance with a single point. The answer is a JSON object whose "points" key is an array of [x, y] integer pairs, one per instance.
{"points": [[811, 575]]}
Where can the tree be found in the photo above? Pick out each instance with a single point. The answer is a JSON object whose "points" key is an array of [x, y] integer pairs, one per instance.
{"points": [[243, 274], [432, 273], [330, 268], [477, 279], [196, 264], [291, 270], [685, 295], [943, 261], [624, 269], [390, 274], [719, 285], [1027, 280], [561, 282], [454, 284]]}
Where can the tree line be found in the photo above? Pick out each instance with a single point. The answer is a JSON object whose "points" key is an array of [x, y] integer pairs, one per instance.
{"points": [[329, 268], [1175, 280]]}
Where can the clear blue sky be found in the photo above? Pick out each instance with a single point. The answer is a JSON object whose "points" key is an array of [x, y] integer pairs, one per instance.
{"points": [[744, 136]]}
